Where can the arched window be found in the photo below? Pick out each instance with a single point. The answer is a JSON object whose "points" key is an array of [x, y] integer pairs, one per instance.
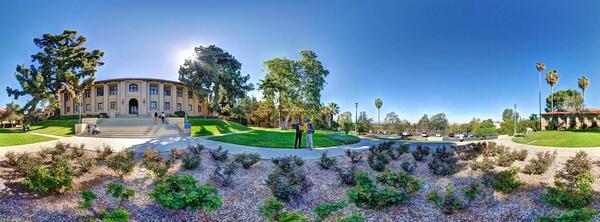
{"points": [[133, 87]]}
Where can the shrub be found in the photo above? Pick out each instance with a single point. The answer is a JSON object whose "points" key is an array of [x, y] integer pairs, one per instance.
{"points": [[77, 151], [365, 194], [352, 218], [288, 180], [117, 215], [85, 164], [122, 162], [468, 151], [224, 175], [176, 153], [327, 162], [161, 168], [190, 161], [247, 160], [485, 165], [196, 149], [505, 159], [444, 162], [472, 191], [406, 183], [182, 192], [520, 155], [151, 155], [573, 184], [274, 211], [119, 192], [420, 153], [11, 159], [506, 181], [403, 148], [581, 214], [324, 210], [347, 175], [88, 197], [490, 149], [378, 161], [409, 166], [44, 181], [354, 155], [541, 163], [22, 163], [104, 152], [219, 154], [449, 204]]}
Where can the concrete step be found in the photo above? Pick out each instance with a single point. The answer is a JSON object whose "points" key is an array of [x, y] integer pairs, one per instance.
{"points": [[136, 128]]}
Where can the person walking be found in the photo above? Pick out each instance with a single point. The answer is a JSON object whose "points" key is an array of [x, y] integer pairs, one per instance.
{"points": [[298, 140], [310, 130], [162, 117], [155, 117]]}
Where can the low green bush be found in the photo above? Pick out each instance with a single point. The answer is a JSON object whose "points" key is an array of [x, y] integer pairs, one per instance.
{"points": [[366, 194], [506, 181], [103, 152], [53, 179], [183, 193], [402, 181], [191, 161], [325, 210], [176, 153], [408, 166], [160, 169], [224, 175], [581, 214], [122, 162], [486, 165], [327, 162], [219, 154], [444, 163], [274, 211], [247, 160], [354, 155], [119, 192], [347, 175], [573, 184], [541, 163], [352, 218], [378, 161], [420, 153], [288, 181], [118, 215], [472, 191], [449, 203]]}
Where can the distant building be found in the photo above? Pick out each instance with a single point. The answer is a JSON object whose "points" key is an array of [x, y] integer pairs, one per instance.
{"points": [[133, 97], [571, 119]]}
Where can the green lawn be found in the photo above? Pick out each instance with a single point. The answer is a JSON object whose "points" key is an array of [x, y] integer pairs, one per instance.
{"points": [[55, 127], [263, 137], [567, 138], [207, 127], [14, 136]]}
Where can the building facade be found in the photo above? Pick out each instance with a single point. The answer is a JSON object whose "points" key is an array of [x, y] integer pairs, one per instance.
{"points": [[135, 97], [587, 118]]}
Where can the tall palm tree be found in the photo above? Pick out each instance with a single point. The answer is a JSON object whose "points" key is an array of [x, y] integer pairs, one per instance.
{"points": [[378, 104], [540, 66], [552, 78], [334, 111], [583, 83]]}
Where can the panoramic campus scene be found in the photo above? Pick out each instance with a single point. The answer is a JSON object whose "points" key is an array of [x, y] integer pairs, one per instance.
{"points": [[341, 111]]}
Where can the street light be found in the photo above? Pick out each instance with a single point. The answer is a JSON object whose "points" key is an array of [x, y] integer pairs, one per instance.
{"points": [[515, 125]]}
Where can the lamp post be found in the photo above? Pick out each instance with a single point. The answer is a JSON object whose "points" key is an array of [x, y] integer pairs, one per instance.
{"points": [[356, 118], [515, 125]]}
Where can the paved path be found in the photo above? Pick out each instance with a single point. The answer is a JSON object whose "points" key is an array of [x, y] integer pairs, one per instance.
{"points": [[165, 144]]}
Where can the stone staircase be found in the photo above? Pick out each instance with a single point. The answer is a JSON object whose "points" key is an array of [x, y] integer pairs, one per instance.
{"points": [[137, 128]]}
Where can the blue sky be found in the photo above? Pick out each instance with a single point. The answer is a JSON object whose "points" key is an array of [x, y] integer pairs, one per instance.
{"points": [[465, 58]]}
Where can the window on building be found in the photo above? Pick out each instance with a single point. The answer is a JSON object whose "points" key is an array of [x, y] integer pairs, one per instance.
{"points": [[67, 97], [179, 107], [153, 105], [68, 109], [100, 91], [199, 109], [167, 90], [153, 89], [100, 106], [113, 105], [87, 93], [189, 107], [76, 108], [112, 90], [179, 93], [190, 94], [133, 87], [167, 106], [88, 107]]}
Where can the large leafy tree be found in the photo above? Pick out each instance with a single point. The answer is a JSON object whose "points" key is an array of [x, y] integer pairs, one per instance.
{"points": [[294, 86], [215, 74], [364, 122], [564, 100], [13, 112], [438, 122], [509, 114], [423, 124], [62, 65]]}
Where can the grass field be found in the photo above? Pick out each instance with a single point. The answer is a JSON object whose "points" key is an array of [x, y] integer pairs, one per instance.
{"points": [[207, 127], [14, 136], [567, 138], [55, 127], [275, 138]]}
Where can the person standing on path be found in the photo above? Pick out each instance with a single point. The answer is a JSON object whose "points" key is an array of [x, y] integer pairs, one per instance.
{"points": [[162, 117], [310, 130], [155, 117], [298, 140]]}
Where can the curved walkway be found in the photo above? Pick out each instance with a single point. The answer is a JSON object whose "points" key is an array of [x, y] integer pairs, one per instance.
{"points": [[561, 151], [165, 144]]}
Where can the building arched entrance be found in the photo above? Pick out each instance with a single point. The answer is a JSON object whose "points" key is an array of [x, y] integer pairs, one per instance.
{"points": [[133, 106]]}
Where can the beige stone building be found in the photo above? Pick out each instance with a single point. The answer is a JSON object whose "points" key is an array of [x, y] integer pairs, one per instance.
{"points": [[135, 97], [572, 119]]}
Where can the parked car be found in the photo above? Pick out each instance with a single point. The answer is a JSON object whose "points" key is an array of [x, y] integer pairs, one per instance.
{"points": [[450, 134], [424, 135], [406, 134]]}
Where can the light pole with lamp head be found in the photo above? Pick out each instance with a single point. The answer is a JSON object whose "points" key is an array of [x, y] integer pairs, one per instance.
{"points": [[515, 124], [356, 118]]}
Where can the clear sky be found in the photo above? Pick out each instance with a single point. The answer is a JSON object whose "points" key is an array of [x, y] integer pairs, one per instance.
{"points": [[465, 58]]}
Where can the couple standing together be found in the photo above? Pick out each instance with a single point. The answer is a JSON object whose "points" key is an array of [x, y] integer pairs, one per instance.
{"points": [[310, 130]]}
